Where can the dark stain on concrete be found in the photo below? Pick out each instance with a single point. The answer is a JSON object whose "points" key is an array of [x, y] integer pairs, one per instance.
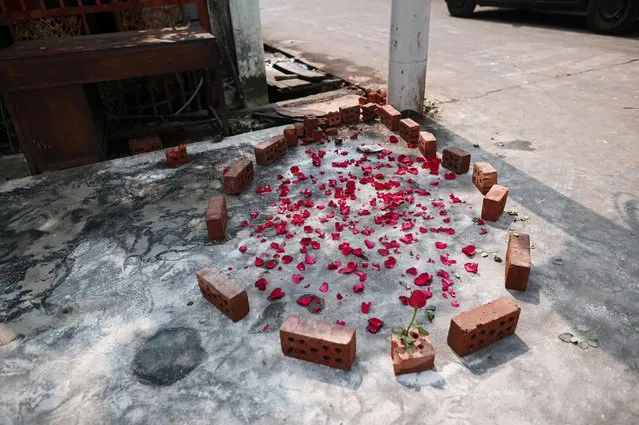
{"points": [[518, 145], [273, 315], [168, 356]]}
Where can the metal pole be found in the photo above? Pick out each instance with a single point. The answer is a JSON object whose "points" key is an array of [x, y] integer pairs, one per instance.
{"points": [[410, 22]]}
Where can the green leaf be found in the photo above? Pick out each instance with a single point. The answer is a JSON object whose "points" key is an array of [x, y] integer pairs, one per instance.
{"points": [[583, 344], [593, 342], [430, 313], [582, 328], [565, 337]]}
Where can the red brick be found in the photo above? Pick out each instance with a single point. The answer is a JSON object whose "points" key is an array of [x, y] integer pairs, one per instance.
{"points": [[484, 176], [518, 261], [299, 129], [290, 136], [176, 156], [223, 293], [409, 130], [322, 123], [422, 356], [427, 144], [369, 111], [270, 151], [216, 218], [238, 177], [390, 117], [334, 118], [350, 114], [310, 123], [316, 135], [494, 203], [318, 342], [471, 330], [456, 160], [145, 144]]}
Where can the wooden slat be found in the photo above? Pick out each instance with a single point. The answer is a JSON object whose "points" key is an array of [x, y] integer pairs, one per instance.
{"points": [[299, 70], [282, 85]]}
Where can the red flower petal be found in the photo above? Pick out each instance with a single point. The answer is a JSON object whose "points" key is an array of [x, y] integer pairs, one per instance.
{"points": [[450, 176], [411, 270], [277, 293], [369, 244], [483, 231], [301, 266], [383, 251], [297, 278], [324, 287], [258, 261], [339, 296], [358, 287], [310, 259], [271, 264], [440, 245], [469, 250], [442, 273], [366, 306], [447, 261], [374, 324], [340, 323], [471, 267], [390, 262], [287, 259], [423, 229], [423, 279], [305, 300], [403, 299], [243, 249], [455, 303], [261, 284], [315, 245], [361, 274], [334, 265], [480, 222], [393, 139]]}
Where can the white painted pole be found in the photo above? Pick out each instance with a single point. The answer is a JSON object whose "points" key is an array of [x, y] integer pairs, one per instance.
{"points": [[410, 22]]}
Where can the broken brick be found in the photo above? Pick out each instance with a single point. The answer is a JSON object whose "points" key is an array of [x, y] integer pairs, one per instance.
{"points": [[427, 144], [456, 160], [176, 156], [299, 129], [290, 136], [238, 177], [145, 144], [318, 342], [518, 261], [484, 176], [409, 130], [223, 293], [474, 329], [369, 111], [390, 117], [322, 123], [316, 135], [494, 203], [216, 218], [270, 151], [421, 357], [350, 114], [310, 123]]}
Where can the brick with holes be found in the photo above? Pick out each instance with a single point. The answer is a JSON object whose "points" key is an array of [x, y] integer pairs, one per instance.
{"points": [[456, 160], [369, 111], [310, 123], [238, 177], [290, 136], [299, 129], [350, 114], [474, 329], [390, 117], [409, 130], [216, 218], [334, 118], [177, 156], [145, 144], [270, 151], [494, 203], [318, 342], [518, 261], [316, 135], [484, 176], [427, 144], [223, 292]]}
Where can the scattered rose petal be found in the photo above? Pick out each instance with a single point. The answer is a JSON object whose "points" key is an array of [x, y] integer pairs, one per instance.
{"points": [[423, 279], [301, 266], [258, 261], [305, 300], [450, 176], [243, 249], [440, 245], [287, 259], [261, 284], [297, 278], [374, 324], [277, 293], [340, 323], [358, 287], [369, 244], [324, 287], [471, 267], [366, 306], [411, 270], [339, 296], [447, 261], [469, 250], [403, 299], [390, 262], [310, 259], [483, 231], [455, 303]]}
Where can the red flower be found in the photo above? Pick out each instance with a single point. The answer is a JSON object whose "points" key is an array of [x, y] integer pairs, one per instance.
{"points": [[358, 287], [297, 278], [374, 324], [243, 249], [423, 279], [411, 270], [324, 287], [261, 284], [440, 245], [276, 294], [471, 267], [366, 306], [469, 250], [390, 262], [418, 298]]}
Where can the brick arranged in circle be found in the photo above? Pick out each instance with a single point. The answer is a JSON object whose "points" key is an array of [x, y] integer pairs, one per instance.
{"points": [[390, 117], [474, 329], [270, 151], [369, 111], [427, 144], [409, 130], [216, 218], [310, 123], [334, 118], [177, 156], [518, 261], [456, 160], [223, 293], [318, 342], [350, 114], [238, 177], [484, 176], [290, 136], [494, 203]]}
